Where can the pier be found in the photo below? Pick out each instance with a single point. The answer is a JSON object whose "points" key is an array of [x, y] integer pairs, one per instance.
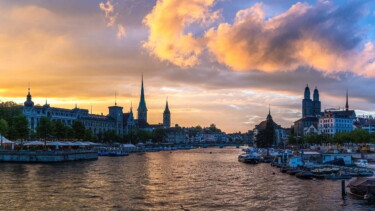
{"points": [[46, 156]]}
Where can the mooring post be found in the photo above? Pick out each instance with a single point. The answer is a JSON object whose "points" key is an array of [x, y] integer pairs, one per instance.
{"points": [[343, 192], [368, 189]]}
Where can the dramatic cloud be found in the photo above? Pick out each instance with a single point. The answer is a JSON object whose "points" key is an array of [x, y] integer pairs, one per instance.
{"points": [[167, 22], [324, 36], [59, 47], [111, 17]]}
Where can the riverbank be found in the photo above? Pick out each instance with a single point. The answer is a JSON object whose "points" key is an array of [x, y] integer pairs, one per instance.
{"points": [[40, 156]]}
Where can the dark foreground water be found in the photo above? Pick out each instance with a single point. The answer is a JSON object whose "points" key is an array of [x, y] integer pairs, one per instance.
{"points": [[182, 180]]}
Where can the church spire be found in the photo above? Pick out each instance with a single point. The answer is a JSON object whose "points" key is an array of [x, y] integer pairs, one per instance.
{"points": [[115, 98], [166, 110], [347, 101], [167, 116], [269, 109], [269, 117], [142, 108]]}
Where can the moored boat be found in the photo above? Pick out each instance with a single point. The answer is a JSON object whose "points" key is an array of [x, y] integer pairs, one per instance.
{"points": [[363, 187], [249, 158], [305, 175]]}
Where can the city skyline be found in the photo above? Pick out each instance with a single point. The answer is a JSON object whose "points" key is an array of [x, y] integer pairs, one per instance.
{"points": [[83, 52]]}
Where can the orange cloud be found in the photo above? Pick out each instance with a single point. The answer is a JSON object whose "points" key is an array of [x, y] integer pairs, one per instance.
{"points": [[318, 36], [167, 23]]}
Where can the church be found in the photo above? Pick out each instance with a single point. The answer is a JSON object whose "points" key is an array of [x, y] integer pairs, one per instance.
{"points": [[118, 121], [311, 111]]}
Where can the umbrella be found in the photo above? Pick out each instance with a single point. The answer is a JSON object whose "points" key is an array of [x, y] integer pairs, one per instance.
{"points": [[56, 143], [34, 143]]}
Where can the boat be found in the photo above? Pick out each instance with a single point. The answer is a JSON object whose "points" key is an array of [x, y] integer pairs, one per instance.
{"points": [[293, 171], [305, 175], [338, 176], [365, 173], [117, 153], [361, 163], [319, 176], [103, 153], [285, 169], [363, 187], [249, 158]]}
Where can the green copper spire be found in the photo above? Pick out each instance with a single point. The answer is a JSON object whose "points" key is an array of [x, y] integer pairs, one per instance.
{"points": [[142, 108]]}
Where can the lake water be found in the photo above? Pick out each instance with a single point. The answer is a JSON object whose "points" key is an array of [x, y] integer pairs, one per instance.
{"points": [[181, 180]]}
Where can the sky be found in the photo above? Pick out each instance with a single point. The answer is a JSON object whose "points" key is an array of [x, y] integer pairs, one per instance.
{"points": [[217, 61]]}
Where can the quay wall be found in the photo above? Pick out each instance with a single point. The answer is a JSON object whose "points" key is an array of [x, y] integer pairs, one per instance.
{"points": [[47, 156]]}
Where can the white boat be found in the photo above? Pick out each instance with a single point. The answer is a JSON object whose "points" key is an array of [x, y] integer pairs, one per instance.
{"points": [[361, 163]]}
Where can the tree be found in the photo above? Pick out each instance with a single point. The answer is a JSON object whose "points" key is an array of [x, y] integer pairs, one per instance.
{"points": [[19, 127], [3, 130], [131, 138], [158, 135], [45, 128], [69, 132], [88, 135], [213, 128], [60, 130], [8, 110], [143, 136], [79, 130], [110, 136]]}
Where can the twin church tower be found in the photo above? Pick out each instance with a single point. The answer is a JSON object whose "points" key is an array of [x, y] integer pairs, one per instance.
{"points": [[311, 107]]}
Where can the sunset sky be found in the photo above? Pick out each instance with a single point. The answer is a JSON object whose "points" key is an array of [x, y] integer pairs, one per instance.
{"points": [[217, 61]]}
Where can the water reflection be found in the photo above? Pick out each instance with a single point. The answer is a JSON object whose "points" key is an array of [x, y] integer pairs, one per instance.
{"points": [[194, 179]]}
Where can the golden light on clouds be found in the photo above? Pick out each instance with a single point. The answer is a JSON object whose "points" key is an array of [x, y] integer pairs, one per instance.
{"points": [[214, 67]]}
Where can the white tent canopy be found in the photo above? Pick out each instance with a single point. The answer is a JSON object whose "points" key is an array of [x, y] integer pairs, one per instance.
{"points": [[128, 146], [80, 144], [34, 143], [56, 143], [91, 143], [5, 140]]}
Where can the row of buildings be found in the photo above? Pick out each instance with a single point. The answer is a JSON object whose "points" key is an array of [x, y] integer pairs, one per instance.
{"points": [[316, 121], [330, 121], [124, 123], [116, 120]]}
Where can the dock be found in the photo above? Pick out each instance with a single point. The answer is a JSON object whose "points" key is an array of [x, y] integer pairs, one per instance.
{"points": [[28, 156]]}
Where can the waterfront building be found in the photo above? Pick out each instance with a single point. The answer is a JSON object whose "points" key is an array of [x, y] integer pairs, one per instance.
{"points": [[304, 124], [96, 123], [116, 120], [335, 121], [311, 111], [280, 137], [313, 129], [176, 135], [369, 126]]}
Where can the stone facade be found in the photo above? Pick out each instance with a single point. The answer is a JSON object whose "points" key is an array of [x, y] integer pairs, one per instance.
{"points": [[116, 120]]}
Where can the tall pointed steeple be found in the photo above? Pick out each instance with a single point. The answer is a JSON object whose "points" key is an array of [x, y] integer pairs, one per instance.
{"points": [[142, 108], [167, 116], [347, 101], [115, 98], [269, 117]]}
